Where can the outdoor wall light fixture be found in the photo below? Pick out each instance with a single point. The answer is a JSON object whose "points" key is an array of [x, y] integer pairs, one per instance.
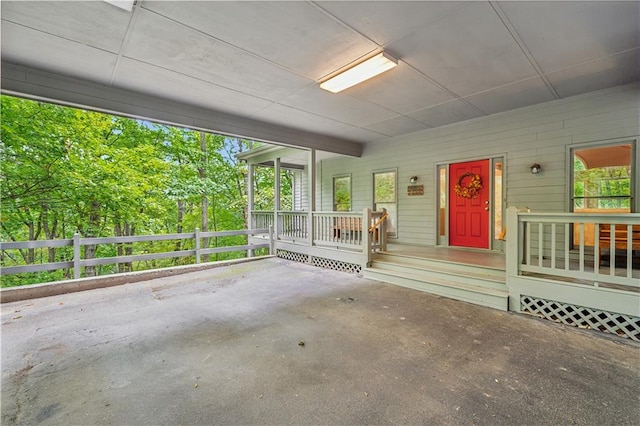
{"points": [[413, 179], [535, 169], [360, 72]]}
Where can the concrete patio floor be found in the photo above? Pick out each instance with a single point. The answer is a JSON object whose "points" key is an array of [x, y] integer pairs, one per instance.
{"points": [[223, 346]]}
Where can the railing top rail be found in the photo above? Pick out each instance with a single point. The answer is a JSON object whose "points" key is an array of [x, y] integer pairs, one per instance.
{"points": [[135, 238], [14, 245], [338, 214], [587, 214], [234, 233], [300, 212], [621, 218]]}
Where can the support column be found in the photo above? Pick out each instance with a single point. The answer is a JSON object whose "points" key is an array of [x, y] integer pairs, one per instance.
{"points": [[250, 203], [311, 170], [311, 177], [250, 196], [277, 196]]}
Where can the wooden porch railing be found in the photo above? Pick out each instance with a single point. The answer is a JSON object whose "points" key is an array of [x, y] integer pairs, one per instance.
{"points": [[540, 243], [77, 263], [357, 232], [261, 219]]}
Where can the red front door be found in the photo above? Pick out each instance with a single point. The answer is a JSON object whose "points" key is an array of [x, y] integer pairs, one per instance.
{"points": [[469, 206]]}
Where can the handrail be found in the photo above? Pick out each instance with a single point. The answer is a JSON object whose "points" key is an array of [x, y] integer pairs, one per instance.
{"points": [[379, 221]]}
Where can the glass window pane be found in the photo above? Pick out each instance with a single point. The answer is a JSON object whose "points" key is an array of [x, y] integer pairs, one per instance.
{"points": [[384, 197], [601, 183], [602, 178], [385, 187], [443, 202], [342, 193], [497, 199]]}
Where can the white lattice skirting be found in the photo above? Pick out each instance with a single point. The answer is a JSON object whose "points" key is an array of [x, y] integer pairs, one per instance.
{"points": [[609, 322], [293, 256], [321, 262]]}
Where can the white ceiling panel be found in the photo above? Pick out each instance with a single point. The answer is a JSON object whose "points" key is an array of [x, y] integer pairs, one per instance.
{"points": [[387, 21], [447, 113], [402, 89], [277, 31], [468, 51], [37, 49], [398, 126], [164, 43], [147, 78], [517, 95], [337, 106], [295, 118], [599, 74], [94, 23], [262, 60], [563, 33]]}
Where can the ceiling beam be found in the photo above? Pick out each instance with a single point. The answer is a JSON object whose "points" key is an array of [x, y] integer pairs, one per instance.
{"points": [[47, 86]]}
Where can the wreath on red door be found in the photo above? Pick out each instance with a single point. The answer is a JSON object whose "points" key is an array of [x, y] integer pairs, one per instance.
{"points": [[471, 189]]}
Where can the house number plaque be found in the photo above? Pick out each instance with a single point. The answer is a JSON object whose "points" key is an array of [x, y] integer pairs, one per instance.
{"points": [[415, 190]]}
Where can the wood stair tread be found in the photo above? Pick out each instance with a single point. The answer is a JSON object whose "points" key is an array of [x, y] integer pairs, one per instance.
{"points": [[429, 268], [390, 255], [441, 282]]}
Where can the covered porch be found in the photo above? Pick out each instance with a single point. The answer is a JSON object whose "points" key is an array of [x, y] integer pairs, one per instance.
{"points": [[499, 92], [577, 268]]}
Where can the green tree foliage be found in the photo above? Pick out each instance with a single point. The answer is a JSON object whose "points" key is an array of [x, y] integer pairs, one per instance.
{"points": [[66, 170], [601, 187], [342, 193]]}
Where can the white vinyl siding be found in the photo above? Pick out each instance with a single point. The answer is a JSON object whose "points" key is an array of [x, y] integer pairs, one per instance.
{"points": [[536, 134]]}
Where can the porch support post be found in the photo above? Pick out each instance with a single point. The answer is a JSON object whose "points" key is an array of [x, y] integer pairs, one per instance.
{"points": [[512, 253], [250, 201], [277, 195], [250, 195], [76, 255], [311, 177], [197, 238], [366, 223]]}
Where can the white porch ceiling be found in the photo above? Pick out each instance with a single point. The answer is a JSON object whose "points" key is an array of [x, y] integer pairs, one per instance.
{"points": [[260, 62]]}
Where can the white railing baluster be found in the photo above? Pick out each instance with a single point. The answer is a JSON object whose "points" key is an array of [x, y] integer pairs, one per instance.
{"points": [[612, 249], [540, 243], [581, 265], [528, 243], [596, 248], [567, 257], [553, 245], [629, 250]]}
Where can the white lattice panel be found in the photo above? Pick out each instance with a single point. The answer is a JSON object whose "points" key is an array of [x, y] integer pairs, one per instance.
{"points": [[609, 322], [293, 256], [336, 265], [320, 262]]}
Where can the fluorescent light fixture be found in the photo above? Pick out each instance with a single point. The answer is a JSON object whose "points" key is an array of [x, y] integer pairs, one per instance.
{"points": [[122, 4], [359, 73]]}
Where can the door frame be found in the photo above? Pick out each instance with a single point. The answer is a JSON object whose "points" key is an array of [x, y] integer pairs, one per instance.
{"points": [[442, 216]]}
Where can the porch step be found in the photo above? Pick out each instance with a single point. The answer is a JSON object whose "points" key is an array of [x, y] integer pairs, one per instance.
{"points": [[476, 284], [448, 266]]}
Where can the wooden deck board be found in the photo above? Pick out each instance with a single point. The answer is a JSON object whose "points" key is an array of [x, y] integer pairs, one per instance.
{"points": [[451, 254]]}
